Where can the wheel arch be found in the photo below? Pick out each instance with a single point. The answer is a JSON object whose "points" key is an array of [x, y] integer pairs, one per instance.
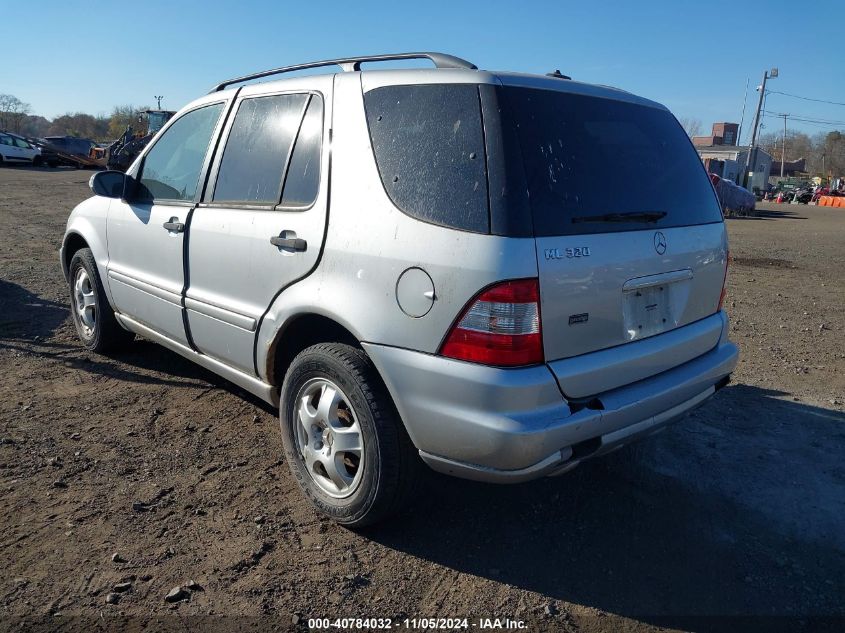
{"points": [[298, 333], [86, 228], [73, 242]]}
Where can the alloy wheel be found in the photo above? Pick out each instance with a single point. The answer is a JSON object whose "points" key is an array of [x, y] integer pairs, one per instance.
{"points": [[85, 301], [329, 437]]}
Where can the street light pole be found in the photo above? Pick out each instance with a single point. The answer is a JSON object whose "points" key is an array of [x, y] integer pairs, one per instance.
{"points": [[159, 98], [750, 157]]}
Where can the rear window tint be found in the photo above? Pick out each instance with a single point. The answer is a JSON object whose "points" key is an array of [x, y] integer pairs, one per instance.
{"points": [[257, 149], [585, 157], [429, 146]]}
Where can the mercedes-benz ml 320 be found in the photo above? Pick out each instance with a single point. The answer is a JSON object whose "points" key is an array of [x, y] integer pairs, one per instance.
{"points": [[498, 275]]}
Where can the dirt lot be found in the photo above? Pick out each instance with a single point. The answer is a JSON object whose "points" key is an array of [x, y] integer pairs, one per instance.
{"points": [[737, 511]]}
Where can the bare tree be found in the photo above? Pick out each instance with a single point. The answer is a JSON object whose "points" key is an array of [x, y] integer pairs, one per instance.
{"points": [[691, 126], [798, 145], [12, 112], [34, 126], [831, 146], [122, 116]]}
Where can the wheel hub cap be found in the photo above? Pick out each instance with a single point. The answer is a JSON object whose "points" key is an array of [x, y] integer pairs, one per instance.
{"points": [[329, 438]]}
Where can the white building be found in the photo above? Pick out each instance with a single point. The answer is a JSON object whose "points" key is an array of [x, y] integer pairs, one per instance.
{"points": [[734, 157]]}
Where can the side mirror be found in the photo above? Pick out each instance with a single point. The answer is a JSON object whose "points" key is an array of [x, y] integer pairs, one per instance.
{"points": [[109, 184]]}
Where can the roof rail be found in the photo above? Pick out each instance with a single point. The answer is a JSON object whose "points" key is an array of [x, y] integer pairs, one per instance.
{"points": [[352, 64], [558, 75]]}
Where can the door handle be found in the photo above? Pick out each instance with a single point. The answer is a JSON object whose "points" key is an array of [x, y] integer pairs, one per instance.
{"points": [[289, 241], [174, 225]]}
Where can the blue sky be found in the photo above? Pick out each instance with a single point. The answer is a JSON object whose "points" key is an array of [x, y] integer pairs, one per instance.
{"points": [[692, 56]]}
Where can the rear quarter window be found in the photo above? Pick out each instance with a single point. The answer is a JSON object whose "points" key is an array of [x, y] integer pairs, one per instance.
{"points": [[428, 142], [302, 182], [586, 156]]}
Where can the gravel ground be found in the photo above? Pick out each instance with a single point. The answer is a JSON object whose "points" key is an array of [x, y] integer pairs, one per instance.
{"points": [[124, 478]]}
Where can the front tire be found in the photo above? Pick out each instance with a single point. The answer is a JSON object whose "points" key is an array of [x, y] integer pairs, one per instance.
{"points": [[344, 441], [93, 317]]}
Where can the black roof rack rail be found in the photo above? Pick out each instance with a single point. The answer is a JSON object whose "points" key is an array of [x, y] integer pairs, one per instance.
{"points": [[352, 64]]}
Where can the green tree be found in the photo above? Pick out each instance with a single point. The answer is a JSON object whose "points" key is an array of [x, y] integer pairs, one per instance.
{"points": [[80, 124]]}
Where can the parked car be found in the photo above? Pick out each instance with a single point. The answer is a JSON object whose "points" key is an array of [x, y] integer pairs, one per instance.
{"points": [[733, 198], [71, 144], [418, 266], [16, 150]]}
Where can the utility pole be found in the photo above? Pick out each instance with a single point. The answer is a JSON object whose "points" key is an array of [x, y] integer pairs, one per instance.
{"points": [[742, 118], [750, 159], [159, 98], [783, 145]]}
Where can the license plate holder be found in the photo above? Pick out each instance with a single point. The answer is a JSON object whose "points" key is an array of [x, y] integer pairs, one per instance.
{"points": [[648, 311]]}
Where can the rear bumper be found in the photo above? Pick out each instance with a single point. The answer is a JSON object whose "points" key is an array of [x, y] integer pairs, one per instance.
{"points": [[512, 425]]}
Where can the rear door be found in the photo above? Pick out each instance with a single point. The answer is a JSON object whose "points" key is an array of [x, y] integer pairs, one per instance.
{"points": [[262, 226], [146, 234], [629, 235]]}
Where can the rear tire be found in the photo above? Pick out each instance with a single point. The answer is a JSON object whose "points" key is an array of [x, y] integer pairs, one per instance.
{"points": [[93, 317], [333, 397]]}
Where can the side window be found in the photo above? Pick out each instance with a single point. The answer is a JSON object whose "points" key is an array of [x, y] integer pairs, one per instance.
{"points": [[171, 169], [429, 148], [302, 182], [22, 143], [257, 149], [5, 140]]}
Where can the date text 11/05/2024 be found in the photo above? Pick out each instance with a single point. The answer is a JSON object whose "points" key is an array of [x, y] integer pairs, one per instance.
{"points": [[416, 623]]}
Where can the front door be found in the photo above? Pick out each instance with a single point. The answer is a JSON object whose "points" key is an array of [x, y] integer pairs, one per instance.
{"points": [[10, 151], [146, 233], [262, 226]]}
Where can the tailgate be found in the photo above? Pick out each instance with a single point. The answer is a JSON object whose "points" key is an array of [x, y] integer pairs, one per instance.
{"points": [[603, 290]]}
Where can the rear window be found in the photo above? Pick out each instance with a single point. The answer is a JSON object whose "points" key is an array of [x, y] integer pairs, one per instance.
{"points": [[258, 147], [589, 161], [429, 146]]}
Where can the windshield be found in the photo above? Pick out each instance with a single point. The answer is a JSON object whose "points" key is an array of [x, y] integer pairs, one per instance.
{"points": [[596, 165]]}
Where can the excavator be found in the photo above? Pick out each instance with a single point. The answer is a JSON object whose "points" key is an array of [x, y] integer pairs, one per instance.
{"points": [[125, 149]]}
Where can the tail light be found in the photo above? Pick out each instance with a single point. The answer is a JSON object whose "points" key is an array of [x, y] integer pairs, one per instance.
{"points": [[724, 282], [500, 326]]}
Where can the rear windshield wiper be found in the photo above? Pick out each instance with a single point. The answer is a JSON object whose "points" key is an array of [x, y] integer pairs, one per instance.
{"points": [[621, 217]]}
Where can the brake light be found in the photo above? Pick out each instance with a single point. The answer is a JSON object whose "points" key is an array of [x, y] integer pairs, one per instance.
{"points": [[500, 326], [724, 283]]}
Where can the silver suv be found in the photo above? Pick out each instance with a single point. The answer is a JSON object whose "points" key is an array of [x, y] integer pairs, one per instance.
{"points": [[499, 275]]}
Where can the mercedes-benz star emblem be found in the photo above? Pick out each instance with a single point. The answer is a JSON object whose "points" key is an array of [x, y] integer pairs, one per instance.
{"points": [[660, 243]]}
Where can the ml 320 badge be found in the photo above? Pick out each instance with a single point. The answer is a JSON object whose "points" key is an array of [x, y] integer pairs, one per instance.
{"points": [[567, 253]]}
